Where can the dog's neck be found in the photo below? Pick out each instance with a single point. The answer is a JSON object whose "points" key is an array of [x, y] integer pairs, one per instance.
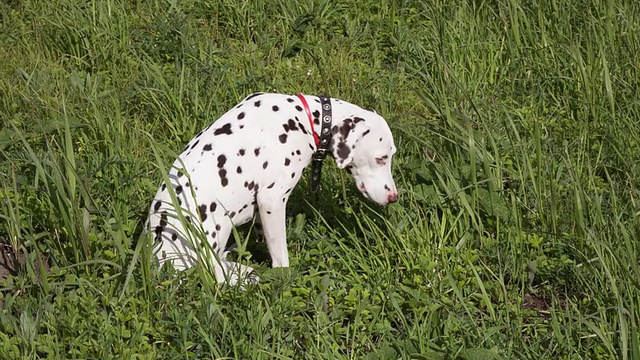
{"points": [[345, 117]]}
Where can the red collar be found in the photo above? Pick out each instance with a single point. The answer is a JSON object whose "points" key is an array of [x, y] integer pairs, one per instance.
{"points": [[306, 109]]}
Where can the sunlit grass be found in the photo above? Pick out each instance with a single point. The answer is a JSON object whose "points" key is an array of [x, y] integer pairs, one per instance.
{"points": [[516, 233]]}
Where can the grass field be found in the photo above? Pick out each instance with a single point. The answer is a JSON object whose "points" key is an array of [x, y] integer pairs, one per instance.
{"points": [[518, 131]]}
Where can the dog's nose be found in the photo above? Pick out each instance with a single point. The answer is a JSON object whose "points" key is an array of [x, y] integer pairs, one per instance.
{"points": [[393, 197]]}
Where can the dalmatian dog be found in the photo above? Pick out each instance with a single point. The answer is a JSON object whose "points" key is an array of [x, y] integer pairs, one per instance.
{"points": [[249, 160]]}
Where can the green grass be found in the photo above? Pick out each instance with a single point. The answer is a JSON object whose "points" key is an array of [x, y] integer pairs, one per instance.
{"points": [[515, 237]]}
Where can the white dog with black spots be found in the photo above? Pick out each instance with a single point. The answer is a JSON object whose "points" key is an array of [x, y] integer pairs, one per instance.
{"points": [[250, 159]]}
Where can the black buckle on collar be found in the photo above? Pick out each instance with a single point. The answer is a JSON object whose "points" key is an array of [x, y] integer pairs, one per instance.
{"points": [[325, 141]]}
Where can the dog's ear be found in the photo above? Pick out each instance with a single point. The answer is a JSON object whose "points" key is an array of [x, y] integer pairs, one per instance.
{"points": [[344, 156], [342, 142]]}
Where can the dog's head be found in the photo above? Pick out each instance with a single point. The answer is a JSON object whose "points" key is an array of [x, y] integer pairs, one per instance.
{"points": [[363, 145]]}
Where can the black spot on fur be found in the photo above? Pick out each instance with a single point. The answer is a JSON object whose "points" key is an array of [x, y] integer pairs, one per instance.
{"points": [[221, 161], [187, 184], [224, 130], [292, 125], [256, 151], [275, 108], [257, 103], [293, 175], [223, 177], [232, 215], [346, 128], [265, 164], [380, 140], [241, 127], [343, 150], [239, 170], [298, 107], [180, 174], [298, 152], [178, 189], [241, 152], [241, 116], [290, 100], [268, 212], [287, 161], [207, 147], [174, 236], [218, 227], [213, 236], [163, 219], [283, 138], [194, 144], [316, 114], [357, 119], [251, 185], [202, 211], [366, 132], [158, 231], [271, 185], [156, 207], [213, 206]]}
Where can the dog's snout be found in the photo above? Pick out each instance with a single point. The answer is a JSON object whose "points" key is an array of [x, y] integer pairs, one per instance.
{"points": [[393, 197]]}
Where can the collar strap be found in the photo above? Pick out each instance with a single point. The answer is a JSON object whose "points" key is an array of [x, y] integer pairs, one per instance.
{"points": [[316, 138], [323, 142]]}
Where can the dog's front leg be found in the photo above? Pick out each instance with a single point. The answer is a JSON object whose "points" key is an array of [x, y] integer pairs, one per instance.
{"points": [[272, 207]]}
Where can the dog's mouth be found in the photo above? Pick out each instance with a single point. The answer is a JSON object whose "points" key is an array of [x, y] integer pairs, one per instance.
{"points": [[389, 198], [363, 190]]}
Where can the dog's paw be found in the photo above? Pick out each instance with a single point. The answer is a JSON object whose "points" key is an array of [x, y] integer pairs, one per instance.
{"points": [[241, 275]]}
